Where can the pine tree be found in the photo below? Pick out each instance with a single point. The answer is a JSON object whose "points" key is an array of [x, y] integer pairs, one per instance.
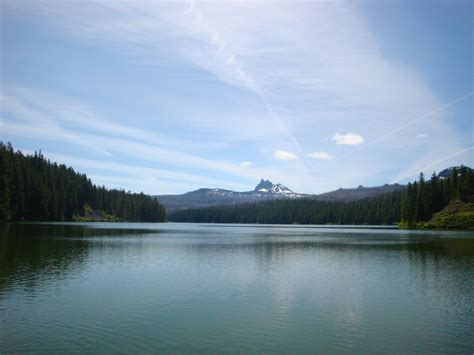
{"points": [[33, 188], [408, 207], [4, 188], [436, 194]]}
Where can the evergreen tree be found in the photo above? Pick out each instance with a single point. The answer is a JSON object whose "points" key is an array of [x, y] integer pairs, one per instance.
{"points": [[423, 199], [437, 200], [34, 189], [408, 207], [4, 188], [417, 203], [383, 209]]}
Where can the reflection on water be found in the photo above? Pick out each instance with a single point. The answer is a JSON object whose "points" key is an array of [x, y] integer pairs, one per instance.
{"points": [[174, 287], [33, 253]]}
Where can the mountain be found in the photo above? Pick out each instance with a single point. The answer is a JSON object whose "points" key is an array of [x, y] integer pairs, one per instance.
{"points": [[264, 185], [205, 197], [444, 174], [267, 187], [446, 203], [348, 195], [264, 191]]}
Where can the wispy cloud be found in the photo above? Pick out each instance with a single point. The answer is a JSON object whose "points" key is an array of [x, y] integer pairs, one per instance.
{"points": [[34, 115], [271, 49], [246, 163], [151, 179], [36, 106], [272, 75], [347, 139]]}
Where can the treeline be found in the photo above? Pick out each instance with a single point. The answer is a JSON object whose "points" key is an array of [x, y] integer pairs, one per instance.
{"points": [[34, 189], [383, 209], [425, 198], [412, 207]]}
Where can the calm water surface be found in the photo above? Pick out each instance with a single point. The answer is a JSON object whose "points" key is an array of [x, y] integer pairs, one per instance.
{"points": [[206, 288]]}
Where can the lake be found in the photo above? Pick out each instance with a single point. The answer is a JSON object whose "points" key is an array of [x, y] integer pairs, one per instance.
{"points": [[131, 287]]}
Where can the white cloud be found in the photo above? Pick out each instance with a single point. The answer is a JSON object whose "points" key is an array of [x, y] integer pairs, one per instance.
{"points": [[182, 171], [422, 135], [35, 114], [270, 50], [320, 155], [284, 155], [130, 176], [246, 163], [288, 54], [348, 139]]}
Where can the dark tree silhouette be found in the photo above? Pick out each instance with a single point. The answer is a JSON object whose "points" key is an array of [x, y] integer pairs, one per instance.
{"points": [[34, 189]]}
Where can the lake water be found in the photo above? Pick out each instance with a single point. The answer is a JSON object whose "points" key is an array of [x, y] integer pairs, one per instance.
{"points": [[108, 287]]}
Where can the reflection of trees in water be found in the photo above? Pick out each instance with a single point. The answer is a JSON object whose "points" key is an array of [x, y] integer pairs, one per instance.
{"points": [[32, 253], [445, 264], [269, 246], [456, 248], [430, 259]]}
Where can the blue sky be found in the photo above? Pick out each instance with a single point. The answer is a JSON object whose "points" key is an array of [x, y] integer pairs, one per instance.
{"points": [[169, 97]]}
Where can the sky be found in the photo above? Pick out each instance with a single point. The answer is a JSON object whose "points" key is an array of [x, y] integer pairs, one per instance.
{"points": [[168, 97]]}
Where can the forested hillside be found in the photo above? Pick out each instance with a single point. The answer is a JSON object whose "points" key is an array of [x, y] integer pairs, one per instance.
{"points": [[34, 189], [384, 209], [414, 206], [423, 198]]}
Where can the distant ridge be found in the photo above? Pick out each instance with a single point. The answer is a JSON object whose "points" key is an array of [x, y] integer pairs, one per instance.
{"points": [[206, 197], [347, 195], [265, 190]]}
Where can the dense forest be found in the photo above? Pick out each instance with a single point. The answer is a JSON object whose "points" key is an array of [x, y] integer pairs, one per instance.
{"points": [[413, 206], [423, 199], [34, 189], [383, 209]]}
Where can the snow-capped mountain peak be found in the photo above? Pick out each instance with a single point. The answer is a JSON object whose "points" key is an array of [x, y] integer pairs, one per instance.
{"points": [[267, 187], [264, 186], [280, 189], [264, 191]]}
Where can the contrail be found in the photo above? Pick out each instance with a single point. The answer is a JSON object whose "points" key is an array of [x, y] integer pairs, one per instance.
{"points": [[413, 173], [230, 59], [424, 116], [286, 131]]}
